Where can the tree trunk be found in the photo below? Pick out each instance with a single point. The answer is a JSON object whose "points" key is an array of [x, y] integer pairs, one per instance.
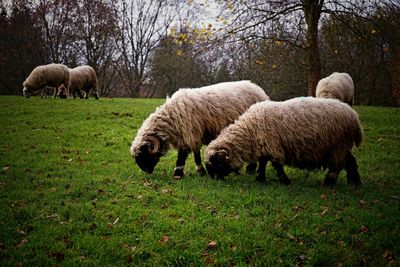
{"points": [[312, 13]]}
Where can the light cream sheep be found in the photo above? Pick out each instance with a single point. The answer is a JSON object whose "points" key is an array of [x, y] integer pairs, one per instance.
{"points": [[306, 132], [189, 119], [338, 86], [83, 78], [52, 75]]}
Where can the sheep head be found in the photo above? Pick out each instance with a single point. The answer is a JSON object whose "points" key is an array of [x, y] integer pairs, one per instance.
{"points": [[26, 92], [148, 154], [218, 164]]}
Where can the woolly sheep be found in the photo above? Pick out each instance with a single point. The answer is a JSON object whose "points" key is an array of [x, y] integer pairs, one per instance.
{"points": [[83, 78], [307, 133], [52, 75], [338, 86], [190, 118]]}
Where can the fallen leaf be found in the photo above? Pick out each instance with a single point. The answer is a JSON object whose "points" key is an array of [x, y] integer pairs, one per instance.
{"points": [[181, 220], [324, 197], [362, 202], [212, 245], [209, 261], [325, 211], [116, 221], [364, 229], [166, 191], [341, 243], [147, 183], [5, 168], [164, 239], [23, 242], [291, 237], [101, 191]]}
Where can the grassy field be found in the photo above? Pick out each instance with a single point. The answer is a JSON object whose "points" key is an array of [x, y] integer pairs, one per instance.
{"points": [[70, 194]]}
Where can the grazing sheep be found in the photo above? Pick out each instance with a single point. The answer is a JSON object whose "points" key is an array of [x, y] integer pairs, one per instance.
{"points": [[83, 78], [52, 75], [190, 118], [306, 132], [338, 86]]}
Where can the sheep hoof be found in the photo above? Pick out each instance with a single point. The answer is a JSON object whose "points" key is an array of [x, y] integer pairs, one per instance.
{"points": [[329, 182], [251, 168], [284, 180], [261, 179], [178, 177], [201, 172]]}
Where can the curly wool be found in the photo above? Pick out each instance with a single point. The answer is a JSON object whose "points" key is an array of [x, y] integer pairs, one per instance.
{"points": [[304, 132], [53, 75], [192, 117], [338, 86], [83, 78]]}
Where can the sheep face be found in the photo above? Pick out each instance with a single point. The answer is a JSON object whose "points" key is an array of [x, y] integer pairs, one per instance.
{"points": [[148, 154], [27, 91], [218, 164]]}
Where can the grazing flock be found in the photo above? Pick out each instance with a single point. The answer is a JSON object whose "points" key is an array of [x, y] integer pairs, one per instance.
{"points": [[240, 124], [64, 80]]}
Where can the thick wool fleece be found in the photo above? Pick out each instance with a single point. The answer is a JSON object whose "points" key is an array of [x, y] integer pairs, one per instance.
{"points": [[338, 86], [303, 132], [83, 78], [53, 75], [192, 117]]}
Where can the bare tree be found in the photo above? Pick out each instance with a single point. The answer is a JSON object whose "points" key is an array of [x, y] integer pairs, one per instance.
{"points": [[96, 27], [19, 37], [261, 19], [57, 25], [143, 24]]}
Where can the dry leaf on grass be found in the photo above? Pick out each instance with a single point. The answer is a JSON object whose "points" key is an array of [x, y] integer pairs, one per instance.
{"points": [[212, 245], [164, 239]]}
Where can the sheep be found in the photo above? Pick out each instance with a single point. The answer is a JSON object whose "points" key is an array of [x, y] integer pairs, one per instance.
{"points": [[52, 75], [190, 118], [83, 78], [337, 85], [306, 132]]}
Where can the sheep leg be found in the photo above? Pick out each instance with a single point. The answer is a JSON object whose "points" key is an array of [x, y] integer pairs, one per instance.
{"points": [[353, 177], [180, 164], [282, 177], [331, 177], [79, 93], [199, 167], [262, 165], [55, 92], [251, 168]]}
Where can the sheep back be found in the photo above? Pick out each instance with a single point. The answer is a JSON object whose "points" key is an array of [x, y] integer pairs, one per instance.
{"points": [[338, 86], [53, 75], [192, 117], [83, 78], [305, 132]]}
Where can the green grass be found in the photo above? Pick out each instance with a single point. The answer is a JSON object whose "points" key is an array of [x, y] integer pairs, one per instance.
{"points": [[70, 194]]}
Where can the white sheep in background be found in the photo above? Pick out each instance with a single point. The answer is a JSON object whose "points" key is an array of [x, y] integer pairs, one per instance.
{"points": [[306, 132], [338, 86], [52, 75], [83, 78], [190, 118]]}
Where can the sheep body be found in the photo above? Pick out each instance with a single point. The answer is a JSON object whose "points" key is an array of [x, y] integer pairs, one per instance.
{"points": [[338, 86], [83, 78], [306, 132], [191, 118], [52, 75]]}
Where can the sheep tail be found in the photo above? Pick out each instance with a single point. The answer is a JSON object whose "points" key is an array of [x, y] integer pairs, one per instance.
{"points": [[359, 136]]}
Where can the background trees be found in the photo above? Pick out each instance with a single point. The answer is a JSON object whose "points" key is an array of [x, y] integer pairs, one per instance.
{"points": [[152, 48]]}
